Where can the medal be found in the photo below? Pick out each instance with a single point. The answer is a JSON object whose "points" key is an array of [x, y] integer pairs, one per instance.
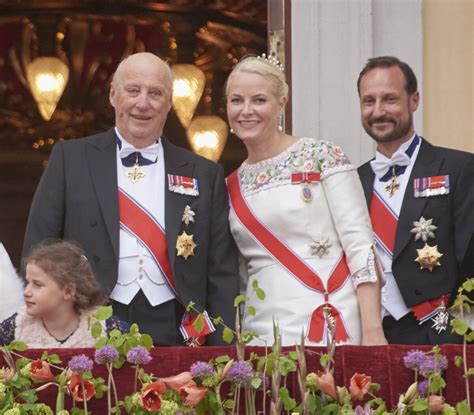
{"points": [[393, 185], [135, 174], [185, 245], [188, 215], [441, 319], [423, 229], [428, 257], [306, 179], [320, 246], [307, 193]]}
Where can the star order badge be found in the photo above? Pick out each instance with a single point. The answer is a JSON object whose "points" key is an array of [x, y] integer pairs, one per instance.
{"points": [[185, 245], [320, 246], [423, 229], [428, 257], [188, 215]]}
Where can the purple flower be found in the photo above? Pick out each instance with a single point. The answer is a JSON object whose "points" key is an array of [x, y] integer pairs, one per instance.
{"points": [[265, 380], [80, 364], [138, 355], [366, 410], [240, 371], [414, 359], [201, 369], [423, 388], [106, 354], [431, 364]]}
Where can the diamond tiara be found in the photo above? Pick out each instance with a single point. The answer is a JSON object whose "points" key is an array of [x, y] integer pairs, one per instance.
{"points": [[273, 61]]}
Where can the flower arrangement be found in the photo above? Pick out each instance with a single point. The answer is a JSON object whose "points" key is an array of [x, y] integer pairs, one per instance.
{"points": [[251, 383]]}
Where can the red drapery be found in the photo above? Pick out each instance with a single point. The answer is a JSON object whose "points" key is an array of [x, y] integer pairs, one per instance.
{"points": [[383, 363]]}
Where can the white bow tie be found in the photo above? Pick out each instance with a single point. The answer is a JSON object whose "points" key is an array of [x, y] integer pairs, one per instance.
{"points": [[150, 152], [381, 165]]}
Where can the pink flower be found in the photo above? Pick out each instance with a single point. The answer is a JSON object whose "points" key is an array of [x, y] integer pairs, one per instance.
{"points": [[150, 398], [178, 381], [192, 393], [7, 374], [40, 371], [325, 383], [360, 384], [436, 403]]}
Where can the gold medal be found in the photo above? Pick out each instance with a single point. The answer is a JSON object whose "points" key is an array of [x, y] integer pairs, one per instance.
{"points": [[428, 257], [392, 187], [135, 174], [307, 193], [185, 245]]}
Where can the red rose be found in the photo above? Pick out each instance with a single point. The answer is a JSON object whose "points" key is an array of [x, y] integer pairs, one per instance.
{"points": [[150, 398], [192, 393], [360, 384], [178, 381], [75, 387], [40, 371], [325, 383]]}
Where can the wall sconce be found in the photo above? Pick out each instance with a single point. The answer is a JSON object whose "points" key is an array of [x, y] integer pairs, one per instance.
{"points": [[207, 135], [47, 77], [188, 86]]}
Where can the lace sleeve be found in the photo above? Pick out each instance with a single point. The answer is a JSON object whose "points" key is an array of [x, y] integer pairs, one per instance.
{"points": [[114, 323], [7, 330], [369, 273]]}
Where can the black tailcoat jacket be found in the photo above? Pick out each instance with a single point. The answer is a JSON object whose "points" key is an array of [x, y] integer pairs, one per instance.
{"points": [[452, 213], [77, 199]]}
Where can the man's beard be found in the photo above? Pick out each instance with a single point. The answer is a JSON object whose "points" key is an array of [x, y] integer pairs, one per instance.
{"points": [[398, 132]]}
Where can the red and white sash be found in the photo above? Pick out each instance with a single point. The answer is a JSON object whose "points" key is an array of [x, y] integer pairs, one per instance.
{"points": [[294, 264], [384, 223], [138, 222]]}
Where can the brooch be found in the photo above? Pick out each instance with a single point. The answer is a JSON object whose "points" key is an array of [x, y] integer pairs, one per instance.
{"points": [[320, 246], [185, 245], [188, 215], [423, 229], [428, 257]]}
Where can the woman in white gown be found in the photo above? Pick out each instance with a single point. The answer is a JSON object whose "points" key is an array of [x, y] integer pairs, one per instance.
{"points": [[11, 286], [299, 218]]}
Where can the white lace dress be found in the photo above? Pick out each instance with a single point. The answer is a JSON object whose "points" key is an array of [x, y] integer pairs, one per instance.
{"points": [[335, 221]]}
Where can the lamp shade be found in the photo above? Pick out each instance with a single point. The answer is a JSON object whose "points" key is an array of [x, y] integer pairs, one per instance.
{"points": [[207, 135], [188, 86], [47, 77]]}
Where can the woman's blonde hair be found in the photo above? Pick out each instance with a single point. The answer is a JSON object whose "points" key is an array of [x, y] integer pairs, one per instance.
{"points": [[65, 262], [267, 69]]}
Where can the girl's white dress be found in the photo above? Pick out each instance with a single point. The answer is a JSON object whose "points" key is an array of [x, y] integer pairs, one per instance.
{"points": [[11, 286]]}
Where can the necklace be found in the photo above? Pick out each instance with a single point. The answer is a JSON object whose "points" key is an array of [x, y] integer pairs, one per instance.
{"points": [[64, 340]]}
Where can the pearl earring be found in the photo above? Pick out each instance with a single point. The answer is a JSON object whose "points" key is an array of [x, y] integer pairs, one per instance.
{"points": [[232, 131], [280, 123]]}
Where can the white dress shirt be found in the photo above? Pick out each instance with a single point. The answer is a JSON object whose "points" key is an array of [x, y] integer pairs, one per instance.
{"points": [[392, 300], [137, 269]]}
